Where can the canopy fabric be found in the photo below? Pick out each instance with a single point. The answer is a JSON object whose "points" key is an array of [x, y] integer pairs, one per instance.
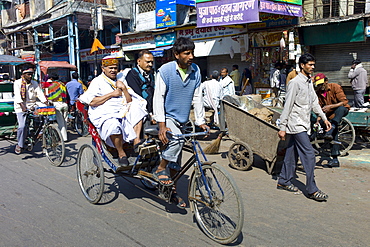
{"points": [[44, 65], [11, 60]]}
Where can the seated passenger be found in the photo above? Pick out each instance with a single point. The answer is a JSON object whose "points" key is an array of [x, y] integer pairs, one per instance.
{"points": [[116, 111]]}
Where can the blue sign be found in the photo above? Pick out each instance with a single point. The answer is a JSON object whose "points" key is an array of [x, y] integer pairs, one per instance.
{"points": [[165, 13], [164, 39], [157, 53], [186, 2]]}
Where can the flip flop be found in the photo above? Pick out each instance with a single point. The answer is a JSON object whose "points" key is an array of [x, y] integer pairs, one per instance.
{"points": [[161, 180], [18, 149], [175, 198]]}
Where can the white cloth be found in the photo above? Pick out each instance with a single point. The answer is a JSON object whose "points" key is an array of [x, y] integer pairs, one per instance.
{"points": [[212, 93], [33, 92], [61, 115], [228, 86], [125, 115], [160, 92]]}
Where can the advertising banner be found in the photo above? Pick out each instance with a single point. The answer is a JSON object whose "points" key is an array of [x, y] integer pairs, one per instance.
{"points": [[209, 32], [227, 12], [270, 21], [297, 2], [266, 39], [165, 39], [138, 43], [165, 13], [280, 8]]}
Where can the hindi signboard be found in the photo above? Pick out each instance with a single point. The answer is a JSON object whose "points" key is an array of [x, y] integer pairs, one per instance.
{"points": [[227, 12]]}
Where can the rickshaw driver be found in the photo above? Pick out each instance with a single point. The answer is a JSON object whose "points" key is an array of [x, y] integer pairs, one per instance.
{"points": [[177, 85], [26, 92], [117, 112]]}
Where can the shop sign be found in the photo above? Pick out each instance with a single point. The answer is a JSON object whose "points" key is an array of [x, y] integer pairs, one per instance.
{"points": [[157, 53], [280, 8], [87, 56], [186, 2], [138, 43], [165, 13], [202, 1], [165, 39], [227, 12], [209, 32], [266, 39], [270, 21], [28, 57], [297, 2]]}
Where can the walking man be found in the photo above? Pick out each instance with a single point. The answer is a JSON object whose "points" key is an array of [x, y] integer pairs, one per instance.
{"points": [[301, 99], [177, 86], [359, 82]]}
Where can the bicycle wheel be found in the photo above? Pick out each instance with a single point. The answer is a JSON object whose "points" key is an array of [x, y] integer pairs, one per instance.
{"points": [[346, 136], [220, 218], [79, 124], [90, 173], [53, 145]]}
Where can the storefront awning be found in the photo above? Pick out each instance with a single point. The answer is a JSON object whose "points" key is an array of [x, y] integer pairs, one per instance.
{"points": [[334, 33], [217, 46]]}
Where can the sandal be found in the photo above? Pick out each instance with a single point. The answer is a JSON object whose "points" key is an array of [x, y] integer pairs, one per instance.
{"points": [[180, 203], [290, 188], [161, 180], [18, 149], [318, 196]]}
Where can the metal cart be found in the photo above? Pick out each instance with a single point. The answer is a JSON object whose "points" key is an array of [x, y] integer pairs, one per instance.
{"points": [[252, 136]]}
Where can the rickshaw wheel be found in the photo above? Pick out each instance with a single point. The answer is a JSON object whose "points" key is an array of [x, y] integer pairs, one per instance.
{"points": [[346, 136], [90, 173], [240, 156]]}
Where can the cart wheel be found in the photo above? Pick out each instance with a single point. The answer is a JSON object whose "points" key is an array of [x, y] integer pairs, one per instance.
{"points": [[90, 173], [346, 135], [80, 125], [240, 156]]}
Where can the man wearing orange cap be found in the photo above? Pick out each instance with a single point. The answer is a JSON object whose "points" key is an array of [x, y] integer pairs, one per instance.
{"points": [[26, 93], [334, 104], [114, 109]]}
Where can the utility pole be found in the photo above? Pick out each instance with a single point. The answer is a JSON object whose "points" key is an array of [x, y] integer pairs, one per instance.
{"points": [[95, 37]]}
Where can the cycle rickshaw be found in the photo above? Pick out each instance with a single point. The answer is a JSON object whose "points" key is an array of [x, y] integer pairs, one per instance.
{"points": [[214, 197]]}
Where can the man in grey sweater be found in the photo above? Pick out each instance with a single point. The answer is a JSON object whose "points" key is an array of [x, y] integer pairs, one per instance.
{"points": [[301, 99], [358, 76]]}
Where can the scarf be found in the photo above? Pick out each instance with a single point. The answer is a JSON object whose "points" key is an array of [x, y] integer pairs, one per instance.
{"points": [[23, 89]]}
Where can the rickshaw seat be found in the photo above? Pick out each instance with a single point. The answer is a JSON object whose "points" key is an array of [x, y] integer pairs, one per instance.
{"points": [[151, 130]]}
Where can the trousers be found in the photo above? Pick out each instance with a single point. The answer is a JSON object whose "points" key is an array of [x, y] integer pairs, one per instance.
{"points": [[299, 146], [359, 98]]}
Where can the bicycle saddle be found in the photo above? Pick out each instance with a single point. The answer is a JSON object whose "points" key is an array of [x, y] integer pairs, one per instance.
{"points": [[151, 130]]}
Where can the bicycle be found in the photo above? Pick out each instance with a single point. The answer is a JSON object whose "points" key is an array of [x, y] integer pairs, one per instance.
{"points": [[79, 121], [214, 197], [40, 124]]}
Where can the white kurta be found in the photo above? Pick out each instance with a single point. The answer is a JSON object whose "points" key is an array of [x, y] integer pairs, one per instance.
{"points": [[115, 116]]}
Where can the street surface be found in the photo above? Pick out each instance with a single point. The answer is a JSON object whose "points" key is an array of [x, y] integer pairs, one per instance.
{"points": [[42, 205]]}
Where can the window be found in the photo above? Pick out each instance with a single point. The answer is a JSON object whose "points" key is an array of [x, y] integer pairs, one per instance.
{"points": [[146, 7]]}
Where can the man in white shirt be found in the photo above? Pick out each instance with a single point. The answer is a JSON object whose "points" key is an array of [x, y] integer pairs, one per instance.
{"points": [[26, 93], [212, 93], [114, 109], [228, 85]]}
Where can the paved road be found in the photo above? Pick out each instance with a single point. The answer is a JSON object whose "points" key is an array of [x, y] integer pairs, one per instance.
{"points": [[42, 205]]}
